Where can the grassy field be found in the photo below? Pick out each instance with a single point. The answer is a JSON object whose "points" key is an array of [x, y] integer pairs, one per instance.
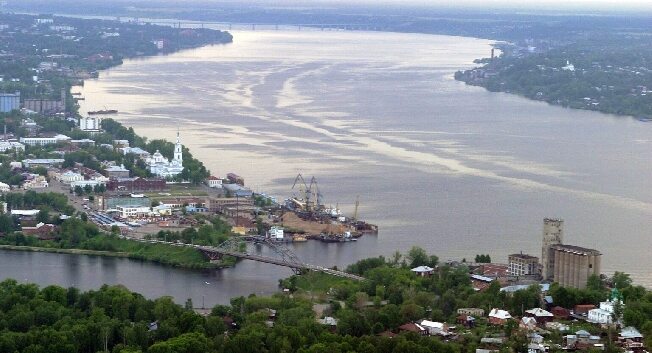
{"points": [[318, 282]]}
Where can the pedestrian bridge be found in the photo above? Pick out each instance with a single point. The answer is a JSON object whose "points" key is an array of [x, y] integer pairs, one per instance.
{"points": [[237, 247]]}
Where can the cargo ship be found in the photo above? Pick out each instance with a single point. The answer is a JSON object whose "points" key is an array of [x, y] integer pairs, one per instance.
{"points": [[102, 112]]}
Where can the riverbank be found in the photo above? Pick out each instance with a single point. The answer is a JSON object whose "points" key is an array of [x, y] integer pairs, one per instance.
{"points": [[156, 253], [576, 74]]}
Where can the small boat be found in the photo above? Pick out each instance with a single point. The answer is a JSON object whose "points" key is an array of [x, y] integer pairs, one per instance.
{"points": [[299, 238], [103, 111], [206, 282]]}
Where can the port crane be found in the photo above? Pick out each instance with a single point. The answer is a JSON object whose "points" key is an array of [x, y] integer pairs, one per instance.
{"points": [[309, 197]]}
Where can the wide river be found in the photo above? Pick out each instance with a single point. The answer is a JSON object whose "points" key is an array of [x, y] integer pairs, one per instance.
{"points": [[439, 164]]}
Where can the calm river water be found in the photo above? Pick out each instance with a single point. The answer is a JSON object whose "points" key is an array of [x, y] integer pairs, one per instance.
{"points": [[449, 167]]}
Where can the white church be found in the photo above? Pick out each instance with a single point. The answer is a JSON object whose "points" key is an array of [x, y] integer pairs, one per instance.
{"points": [[164, 168]]}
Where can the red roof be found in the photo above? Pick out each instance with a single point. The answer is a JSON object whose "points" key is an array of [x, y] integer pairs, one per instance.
{"points": [[411, 327]]}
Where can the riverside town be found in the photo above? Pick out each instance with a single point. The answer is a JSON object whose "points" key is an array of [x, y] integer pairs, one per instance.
{"points": [[84, 194]]}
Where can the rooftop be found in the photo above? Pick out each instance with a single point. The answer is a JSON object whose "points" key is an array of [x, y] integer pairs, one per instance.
{"points": [[576, 250], [538, 312], [422, 269], [481, 278], [116, 168], [524, 256]]}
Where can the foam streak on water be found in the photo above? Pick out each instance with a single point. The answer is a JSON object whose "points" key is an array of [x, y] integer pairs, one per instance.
{"points": [[439, 164]]}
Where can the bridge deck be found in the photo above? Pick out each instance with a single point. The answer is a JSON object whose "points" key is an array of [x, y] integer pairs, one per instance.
{"points": [[259, 258]]}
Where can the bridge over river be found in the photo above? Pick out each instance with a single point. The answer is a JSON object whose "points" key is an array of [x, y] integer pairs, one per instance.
{"points": [[233, 247]]}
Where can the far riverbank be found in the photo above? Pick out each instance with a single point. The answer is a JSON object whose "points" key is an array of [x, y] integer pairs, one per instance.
{"points": [[159, 254]]}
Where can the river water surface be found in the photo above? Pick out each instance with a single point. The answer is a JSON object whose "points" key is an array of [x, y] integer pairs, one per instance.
{"points": [[449, 167]]}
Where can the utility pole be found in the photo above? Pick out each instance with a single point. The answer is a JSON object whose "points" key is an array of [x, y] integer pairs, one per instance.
{"points": [[237, 207], [357, 203]]}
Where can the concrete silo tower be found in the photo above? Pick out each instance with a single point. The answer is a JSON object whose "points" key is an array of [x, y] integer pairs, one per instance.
{"points": [[553, 234]]}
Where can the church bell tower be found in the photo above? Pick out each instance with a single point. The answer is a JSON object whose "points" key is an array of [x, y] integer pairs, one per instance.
{"points": [[178, 150]]}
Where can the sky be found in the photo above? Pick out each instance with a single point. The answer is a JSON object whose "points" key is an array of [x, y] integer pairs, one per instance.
{"points": [[551, 5]]}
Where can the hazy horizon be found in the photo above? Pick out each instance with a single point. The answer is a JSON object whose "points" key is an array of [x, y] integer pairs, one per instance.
{"points": [[548, 5], [640, 7]]}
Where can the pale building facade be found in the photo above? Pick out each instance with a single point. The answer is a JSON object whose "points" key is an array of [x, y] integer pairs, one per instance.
{"points": [[164, 168], [553, 234], [42, 141], [573, 265], [69, 177], [523, 265]]}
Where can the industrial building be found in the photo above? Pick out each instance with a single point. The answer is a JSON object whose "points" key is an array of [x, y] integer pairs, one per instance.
{"points": [[9, 102], [47, 105], [573, 265], [523, 265], [568, 265], [553, 234]]}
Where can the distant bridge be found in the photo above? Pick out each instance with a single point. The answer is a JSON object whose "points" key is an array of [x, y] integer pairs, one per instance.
{"points": [[233, 247], [254, 26]]}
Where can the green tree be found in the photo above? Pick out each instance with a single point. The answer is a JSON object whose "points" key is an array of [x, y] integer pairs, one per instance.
{"points": [[417, 256], [621, 280]]}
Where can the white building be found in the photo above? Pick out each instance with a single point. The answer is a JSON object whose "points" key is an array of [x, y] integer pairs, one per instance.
{"points": [[62, 28], [435, 328], [605, 313], [423, 270], [276, 233], [37, 183], [160, 165], [163, 210], [214, 182], [90, 124], [84, 183], [141, 153], [70, 176], [569, 67], [4, 187], [41, 141], [25, 213], [133, 211], [46, 162], [87, 142], [11, 145]]}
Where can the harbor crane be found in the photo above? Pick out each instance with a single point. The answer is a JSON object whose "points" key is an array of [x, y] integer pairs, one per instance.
{"points": [[309, 197]]}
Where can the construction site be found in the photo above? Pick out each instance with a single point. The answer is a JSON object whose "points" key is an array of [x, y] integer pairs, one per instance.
{"points": [[304, 212]]}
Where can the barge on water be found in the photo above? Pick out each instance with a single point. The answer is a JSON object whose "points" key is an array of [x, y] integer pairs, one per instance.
{"points": [[103, 112], [335, 238]]}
